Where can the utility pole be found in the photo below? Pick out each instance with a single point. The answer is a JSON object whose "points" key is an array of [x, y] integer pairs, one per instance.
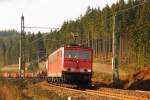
{"points": [[116, 48], [22, 49]]}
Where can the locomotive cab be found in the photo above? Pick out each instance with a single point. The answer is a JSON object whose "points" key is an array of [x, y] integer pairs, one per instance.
{"points": [[78, 64]]}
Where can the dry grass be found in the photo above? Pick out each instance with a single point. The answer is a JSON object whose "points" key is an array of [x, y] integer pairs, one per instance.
{"points": [[5, 94], [22, 89], [9, 92], [37, 93]]}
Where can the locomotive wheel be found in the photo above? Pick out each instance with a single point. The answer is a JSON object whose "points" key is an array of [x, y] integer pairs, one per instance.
{"points": [[64, 79], [55, 80], [58, 80], [52, 79], [61, 80]]}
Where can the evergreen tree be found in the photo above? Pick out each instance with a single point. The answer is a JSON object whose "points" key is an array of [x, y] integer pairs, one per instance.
{"points": [[41, 52]]}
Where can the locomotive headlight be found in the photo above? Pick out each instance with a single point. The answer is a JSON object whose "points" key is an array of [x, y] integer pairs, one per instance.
{"points": [[69, 69], [72, 69], [65, 69], [89, 70], [81, 70]]}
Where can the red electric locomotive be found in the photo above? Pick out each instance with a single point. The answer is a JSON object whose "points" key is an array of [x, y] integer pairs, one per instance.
{"points": [[70, 64]]}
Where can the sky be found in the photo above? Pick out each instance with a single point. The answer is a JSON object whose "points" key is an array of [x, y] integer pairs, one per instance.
{"points": [[44, 13]]}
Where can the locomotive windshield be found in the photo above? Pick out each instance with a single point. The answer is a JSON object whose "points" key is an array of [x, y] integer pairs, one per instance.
{"points": [[77, 54]]}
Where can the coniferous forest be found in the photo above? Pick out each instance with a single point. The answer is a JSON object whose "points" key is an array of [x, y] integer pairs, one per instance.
{"points": [[94, 29]]}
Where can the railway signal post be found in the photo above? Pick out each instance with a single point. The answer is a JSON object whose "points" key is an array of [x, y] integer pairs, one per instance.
{"points": [[116, 48], [22, 49]]}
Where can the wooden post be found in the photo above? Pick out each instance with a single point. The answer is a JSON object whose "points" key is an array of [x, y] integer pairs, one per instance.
{"points": [[116, 48]]}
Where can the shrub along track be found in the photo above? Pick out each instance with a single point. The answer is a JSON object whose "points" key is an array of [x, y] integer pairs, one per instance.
{"points": [[89, 94]]}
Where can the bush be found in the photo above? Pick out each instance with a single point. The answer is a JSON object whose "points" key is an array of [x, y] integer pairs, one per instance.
{"points": [[33, 66]]}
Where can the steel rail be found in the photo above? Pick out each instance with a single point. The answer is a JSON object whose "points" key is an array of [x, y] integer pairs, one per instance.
{"points": [[117, 95], [100, 93]]}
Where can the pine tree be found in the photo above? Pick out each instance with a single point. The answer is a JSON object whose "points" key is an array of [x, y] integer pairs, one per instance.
{"points": [[41, 52]]}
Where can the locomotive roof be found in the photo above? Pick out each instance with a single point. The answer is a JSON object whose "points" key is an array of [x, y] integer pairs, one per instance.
{"points": [[78, 47], [69, 47]]}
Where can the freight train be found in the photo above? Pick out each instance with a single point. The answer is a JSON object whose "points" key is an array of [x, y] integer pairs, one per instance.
{"points": [[70, 64]]}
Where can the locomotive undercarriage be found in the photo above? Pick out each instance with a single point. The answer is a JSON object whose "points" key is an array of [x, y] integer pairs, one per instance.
{"points": [[72, 78]]}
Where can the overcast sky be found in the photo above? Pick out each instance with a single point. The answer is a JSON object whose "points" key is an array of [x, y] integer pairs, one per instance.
{"points": [[44, 13]]}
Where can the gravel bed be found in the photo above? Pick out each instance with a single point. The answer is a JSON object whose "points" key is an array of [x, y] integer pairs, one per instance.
{"points": [[73, 95], [142, 94]]}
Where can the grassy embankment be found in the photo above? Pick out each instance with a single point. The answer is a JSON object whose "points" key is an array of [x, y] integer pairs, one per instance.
{"points": [[21, 89]]}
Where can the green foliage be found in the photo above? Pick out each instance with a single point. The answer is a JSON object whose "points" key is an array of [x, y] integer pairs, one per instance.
{"points": [[9, 47], [40, 47], [33, 66], [94, 28], [134, 27]]}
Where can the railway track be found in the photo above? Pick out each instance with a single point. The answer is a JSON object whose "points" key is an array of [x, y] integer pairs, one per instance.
{"points": [[89, 94], [115, 95], [110, 95]]}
